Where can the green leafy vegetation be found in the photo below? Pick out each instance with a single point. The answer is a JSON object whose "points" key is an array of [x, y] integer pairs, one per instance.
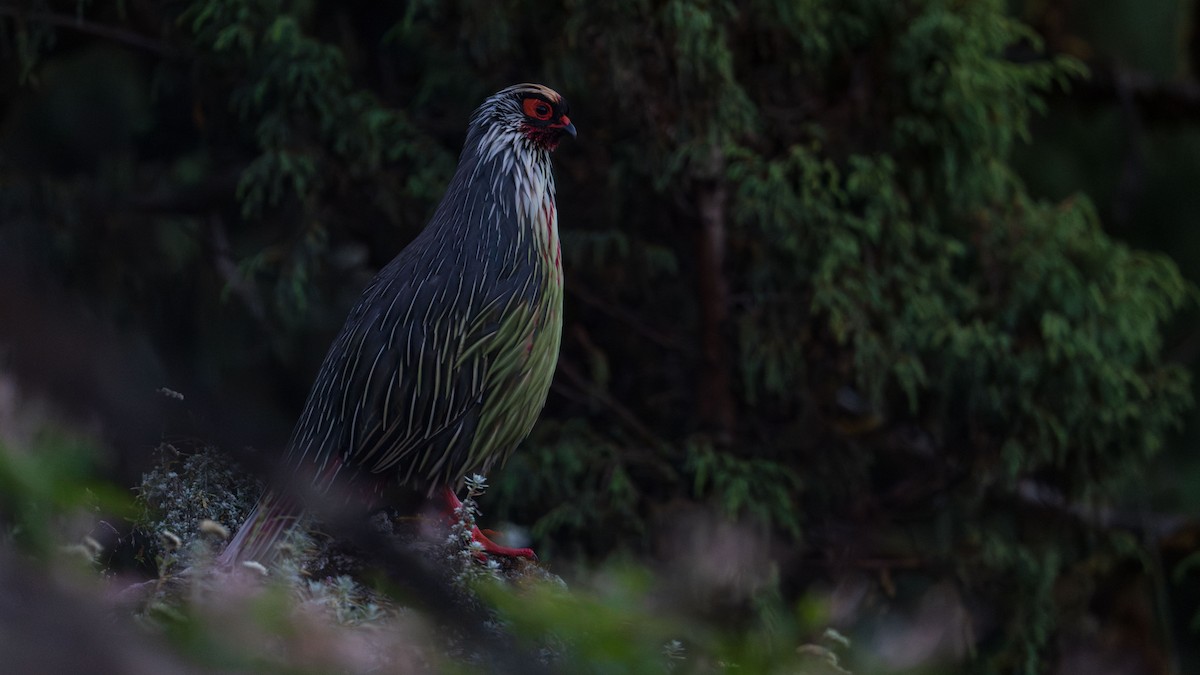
{"points": [[51, 497]]}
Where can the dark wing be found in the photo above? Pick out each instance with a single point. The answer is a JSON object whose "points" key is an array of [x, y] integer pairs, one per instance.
{"points": [[392, 383], [404, 383]]}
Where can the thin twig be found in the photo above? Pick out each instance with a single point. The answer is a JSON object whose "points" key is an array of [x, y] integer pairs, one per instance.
{"points": [[79, 24], [630, 320], [576, 379], [1157, 100], [228, 270]]}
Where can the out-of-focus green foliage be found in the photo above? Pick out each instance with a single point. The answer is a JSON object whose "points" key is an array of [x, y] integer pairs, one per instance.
{"points": [[50, 493], [615, 628], [932, 379]]}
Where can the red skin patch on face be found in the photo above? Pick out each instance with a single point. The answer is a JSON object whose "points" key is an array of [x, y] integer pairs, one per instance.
{"points": [[537, 109], [546, 137]]}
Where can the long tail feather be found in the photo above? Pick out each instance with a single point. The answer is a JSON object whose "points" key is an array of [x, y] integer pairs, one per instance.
{"points": [[258, 538]]}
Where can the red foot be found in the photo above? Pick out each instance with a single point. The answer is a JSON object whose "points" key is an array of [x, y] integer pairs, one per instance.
{"points": [[488, 545]]}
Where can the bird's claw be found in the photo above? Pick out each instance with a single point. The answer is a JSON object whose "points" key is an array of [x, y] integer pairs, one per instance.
{"points": [[493, 548]]}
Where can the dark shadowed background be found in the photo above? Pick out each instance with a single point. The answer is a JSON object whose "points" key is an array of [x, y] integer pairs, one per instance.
{"points": [[882, 308]]}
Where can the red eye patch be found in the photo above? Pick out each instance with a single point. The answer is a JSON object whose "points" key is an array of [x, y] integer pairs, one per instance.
{"points": [[536, 108]]}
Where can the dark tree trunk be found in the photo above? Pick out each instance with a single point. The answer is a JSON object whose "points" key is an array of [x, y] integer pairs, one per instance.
{"points": [[715, 405]]}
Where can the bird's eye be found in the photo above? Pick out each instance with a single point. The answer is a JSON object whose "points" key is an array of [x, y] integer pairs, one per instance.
{"points": [[536, 108]]}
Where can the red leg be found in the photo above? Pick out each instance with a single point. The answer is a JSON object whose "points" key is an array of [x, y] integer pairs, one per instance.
{"points": [[489, 546]]}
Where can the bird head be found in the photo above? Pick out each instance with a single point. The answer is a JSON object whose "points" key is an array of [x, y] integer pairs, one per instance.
{"points": [[532, 111]]}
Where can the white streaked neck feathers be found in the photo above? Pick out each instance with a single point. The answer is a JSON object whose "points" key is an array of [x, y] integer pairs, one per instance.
{"points": [[506, 152]]}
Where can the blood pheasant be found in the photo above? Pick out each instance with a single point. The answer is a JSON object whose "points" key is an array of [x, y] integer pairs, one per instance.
{"points": [[444, 364]]}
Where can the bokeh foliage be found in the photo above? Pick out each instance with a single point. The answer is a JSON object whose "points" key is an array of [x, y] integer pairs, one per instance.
{"points": [[921, 367]]}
